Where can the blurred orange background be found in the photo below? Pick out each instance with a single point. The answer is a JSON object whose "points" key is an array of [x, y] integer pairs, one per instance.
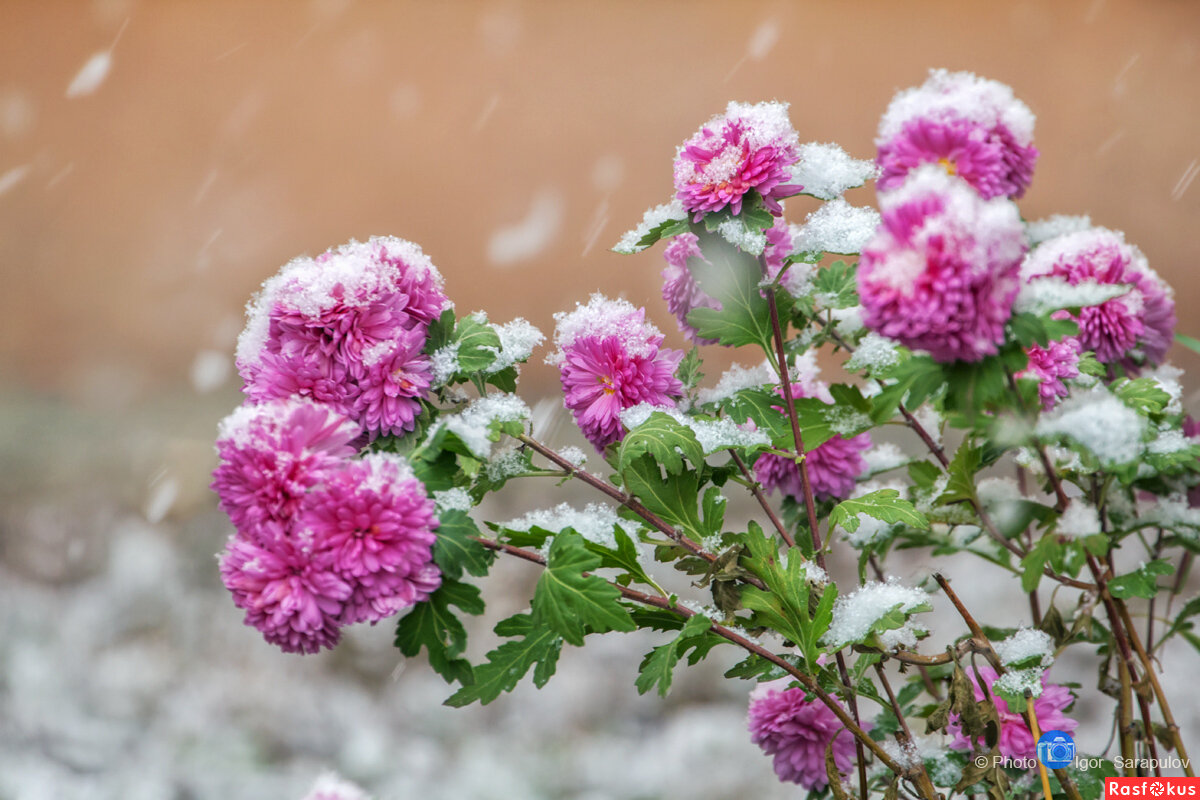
{"points": [[515, 141]]}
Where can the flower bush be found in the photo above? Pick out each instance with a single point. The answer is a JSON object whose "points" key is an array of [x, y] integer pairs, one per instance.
{"points": [[1023, 361]]}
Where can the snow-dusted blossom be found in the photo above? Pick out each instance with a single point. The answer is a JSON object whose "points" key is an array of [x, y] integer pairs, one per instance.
{"points": [[968, 126], [1015, 739], [941, 272], [748, 147], [346, 328], [293, 596], [1050, 366], [680, 289], [1131, 329], [374, 521], [795, 731], [610, 359], [272, 454], [833, 466]]}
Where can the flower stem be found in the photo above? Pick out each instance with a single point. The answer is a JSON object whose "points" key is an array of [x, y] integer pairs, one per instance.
{"points": [[756, 490]]}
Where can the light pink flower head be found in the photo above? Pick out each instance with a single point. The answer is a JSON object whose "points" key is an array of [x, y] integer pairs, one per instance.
{"points": [[292, 597], [321, 324], [330, 786], [833, 466], [748, 147], [1133, 329], [971, 127], [1050, 366], [942, 270], [1015, 739], [609, 359], [374, 524], [272, 455], [796, 730]]}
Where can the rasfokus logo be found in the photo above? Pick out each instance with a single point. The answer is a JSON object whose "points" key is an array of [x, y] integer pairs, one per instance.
{"points": [[1152, 788]]}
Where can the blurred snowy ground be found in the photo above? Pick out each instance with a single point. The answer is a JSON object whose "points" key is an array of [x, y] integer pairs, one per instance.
{"points": [[125, 671]]}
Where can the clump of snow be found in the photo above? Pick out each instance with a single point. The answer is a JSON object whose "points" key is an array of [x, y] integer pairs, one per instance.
{"points": [[455, 499], [745, 239], [813, 573], [651, 219], [603, 317], [505, 465], [445, 363], [1080, 519], [883, 457], [1173, 511], [1042, 230], [964, 96], [473, 424], [737, 378], [517, 340], [855, 615], [846, 421], [594, 523], [874, 353], [837, 227], [712, 434], [1169, 440], [1018, 681], [826, 171], [573, 454], [928, 418], [847, 322], [1026, 644], [1099, 422], [1052, 293], [1167, 377]]}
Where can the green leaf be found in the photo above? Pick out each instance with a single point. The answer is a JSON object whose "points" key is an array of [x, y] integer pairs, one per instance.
{"points": [[837, 286], [455, 551], [688, 372], [731, 277], [885, 504], [435, 627], [1142, 583], [963, 467], [1182, 621], [819, 421], [506, 665], [1189, 342], [663, 230], [623, 557], [658, 667], [1143, 394], [572, 603], [477, 343], [1045, 550], [672, 498], [664, 439]]}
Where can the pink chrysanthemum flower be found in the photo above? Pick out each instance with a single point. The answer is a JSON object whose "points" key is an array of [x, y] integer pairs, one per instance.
{"points": [[1132, 329], [748, 147], [321, 327], [610, 359], [292, 597], [1015, 739], [1050, 366], [942, 270], [680, 289], [971, 127], [796, 730], [833, 466], [272, 455], [374, 524]]}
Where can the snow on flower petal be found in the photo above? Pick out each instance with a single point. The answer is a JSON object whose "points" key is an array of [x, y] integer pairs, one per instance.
{"points": [[747, 147], [796, 730], [1131, 329], [272, 454], [941, 272], [609, 359], [966, 125]]}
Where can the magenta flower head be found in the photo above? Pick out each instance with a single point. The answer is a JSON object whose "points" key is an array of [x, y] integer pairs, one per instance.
{"points": [[942, 270], [748, 147], [294, 597], [970, 127], [795, 730], [349, 322], [1050, 366], [272, 455], [833, 466], [373, 524], [680, 289], [1133, 329], [1015, 739], [609, 359]]}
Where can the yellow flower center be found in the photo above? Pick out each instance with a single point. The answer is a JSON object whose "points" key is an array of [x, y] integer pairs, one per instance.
{"points": [[948, 165]]}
